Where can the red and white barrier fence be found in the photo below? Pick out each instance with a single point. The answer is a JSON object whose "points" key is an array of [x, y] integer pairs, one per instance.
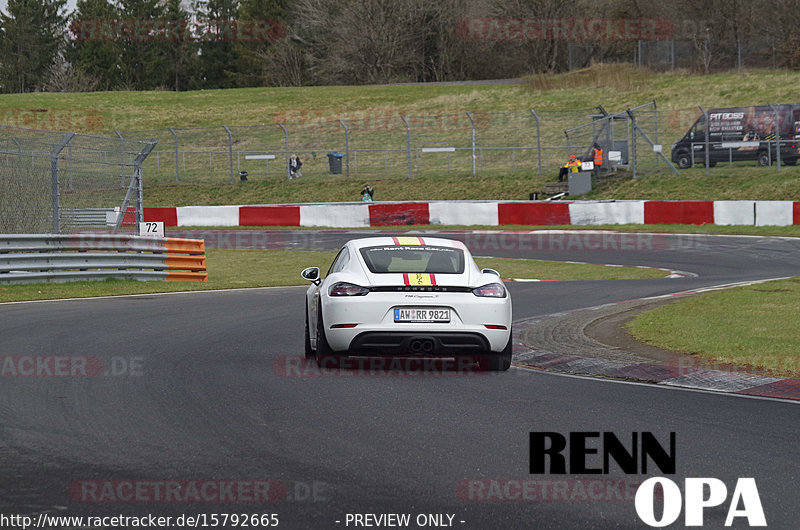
{"points": [[487, 213]]}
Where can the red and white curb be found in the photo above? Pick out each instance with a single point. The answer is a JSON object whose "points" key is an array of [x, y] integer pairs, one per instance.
{"points": [[679, 375], [488, 213]]}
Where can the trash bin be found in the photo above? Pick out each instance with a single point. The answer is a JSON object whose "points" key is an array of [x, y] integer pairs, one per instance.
{"points": [[335, 163]]}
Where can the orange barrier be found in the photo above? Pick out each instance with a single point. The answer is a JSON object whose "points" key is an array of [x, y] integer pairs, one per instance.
{"points": [[184, 276], [186, 268], [185, 246]]}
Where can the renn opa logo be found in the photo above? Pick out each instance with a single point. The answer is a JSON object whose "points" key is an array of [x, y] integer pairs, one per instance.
{"points": [[550, 453]]}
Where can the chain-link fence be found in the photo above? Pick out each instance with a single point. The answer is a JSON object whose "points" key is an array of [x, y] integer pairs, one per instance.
{"points": [[697, 54], [634, 138], [371, 145], [51, 182]]}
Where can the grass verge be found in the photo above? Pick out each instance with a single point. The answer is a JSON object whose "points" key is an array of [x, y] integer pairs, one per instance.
{"points": [[754, 327], [740, 182], [230, 269]]}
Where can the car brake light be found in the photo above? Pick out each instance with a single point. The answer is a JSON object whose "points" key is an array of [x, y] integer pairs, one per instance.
{"points": [[347, 289], [491, 290]]}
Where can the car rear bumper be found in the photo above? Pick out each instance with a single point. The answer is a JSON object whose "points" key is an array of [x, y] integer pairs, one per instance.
{"points": [[418, 343], [483, 321]]}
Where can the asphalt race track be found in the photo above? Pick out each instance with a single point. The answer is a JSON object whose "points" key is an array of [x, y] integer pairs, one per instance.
{"points": [[202, 387]]}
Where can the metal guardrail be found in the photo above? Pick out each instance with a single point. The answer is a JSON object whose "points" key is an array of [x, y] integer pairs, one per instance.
{"points": [[33, 258]]}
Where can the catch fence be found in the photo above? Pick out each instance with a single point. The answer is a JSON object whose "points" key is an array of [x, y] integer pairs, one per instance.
{"points": [[381, 145], [52, 182]]}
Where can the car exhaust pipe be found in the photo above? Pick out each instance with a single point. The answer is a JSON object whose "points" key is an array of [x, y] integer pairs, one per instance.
{"points": [[427, 346], [416, 346]]}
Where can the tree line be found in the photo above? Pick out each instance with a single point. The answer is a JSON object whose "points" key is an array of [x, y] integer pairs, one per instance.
{"points": [[199, 44]]}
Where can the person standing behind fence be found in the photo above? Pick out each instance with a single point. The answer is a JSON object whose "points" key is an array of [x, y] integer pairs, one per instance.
{"points": [[573, 165], [367, 193], [294, 166], [597, 155]]}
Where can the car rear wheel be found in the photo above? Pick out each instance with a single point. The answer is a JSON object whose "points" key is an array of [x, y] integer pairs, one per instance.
{"points": [[497, 362], [310, 354], [763, 158], [325, 357]]}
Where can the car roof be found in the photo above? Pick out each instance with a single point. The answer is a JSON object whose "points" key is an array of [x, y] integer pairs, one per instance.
{"points": [[406, 240]]}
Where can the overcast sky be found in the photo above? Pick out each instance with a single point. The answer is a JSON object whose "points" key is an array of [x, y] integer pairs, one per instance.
{"points": [[70, 5]]}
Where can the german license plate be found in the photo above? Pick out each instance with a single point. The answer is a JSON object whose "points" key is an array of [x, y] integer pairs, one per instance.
{"points": [[414, 314]]}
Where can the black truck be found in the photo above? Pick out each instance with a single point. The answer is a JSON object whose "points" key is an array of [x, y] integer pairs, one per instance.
{"points": [[742, 133]]}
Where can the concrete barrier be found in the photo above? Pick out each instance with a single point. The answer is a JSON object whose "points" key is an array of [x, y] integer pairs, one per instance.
{"points": [[463, 213], [484, 213], [734, 213], [774, 213], [336, 215], [607, 213], [208, 215]]}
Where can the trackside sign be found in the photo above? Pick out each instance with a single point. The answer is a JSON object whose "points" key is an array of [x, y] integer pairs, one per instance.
{"points": [[597, 453]]}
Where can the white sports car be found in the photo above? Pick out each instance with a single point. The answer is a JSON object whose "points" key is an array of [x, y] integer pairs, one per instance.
{"points": [[417, 296]]}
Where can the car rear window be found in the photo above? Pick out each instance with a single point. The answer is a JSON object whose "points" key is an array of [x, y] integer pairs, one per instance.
{"points": [[413, 258]]}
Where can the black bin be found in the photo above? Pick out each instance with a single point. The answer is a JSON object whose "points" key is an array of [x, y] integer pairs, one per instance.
{"points": [[335, 163]]}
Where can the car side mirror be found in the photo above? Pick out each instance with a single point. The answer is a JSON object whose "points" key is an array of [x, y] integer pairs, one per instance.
{"points": [[490, 271], [311, 274]]}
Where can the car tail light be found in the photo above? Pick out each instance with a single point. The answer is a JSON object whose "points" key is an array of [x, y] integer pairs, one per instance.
{"points": [[343, 326], [347, 289], [491, 290], [495, 326]]}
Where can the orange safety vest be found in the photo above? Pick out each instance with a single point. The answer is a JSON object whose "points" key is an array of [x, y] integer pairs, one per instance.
{"points": [[598, 157]]}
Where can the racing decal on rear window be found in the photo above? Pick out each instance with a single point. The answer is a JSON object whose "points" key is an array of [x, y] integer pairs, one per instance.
{"points": [[408, 240], [422, 259], [418, 279]]}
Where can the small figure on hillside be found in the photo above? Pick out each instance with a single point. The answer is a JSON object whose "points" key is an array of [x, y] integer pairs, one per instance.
{"points": [[573, 166], [597, 158], [367, 194], [294, 166]]}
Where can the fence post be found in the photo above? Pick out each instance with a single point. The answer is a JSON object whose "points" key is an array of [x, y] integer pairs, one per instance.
{"points": [[137, 175], [777, 135], [634, 152], [286, 139], [655, 133], [121, 159], [56, 200], [472, 123], [175, 135], [408, 143], [135, 186], [538, 140], [230, 151], [346, 148], [69, 164], [705, 142], [672, 54]]}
